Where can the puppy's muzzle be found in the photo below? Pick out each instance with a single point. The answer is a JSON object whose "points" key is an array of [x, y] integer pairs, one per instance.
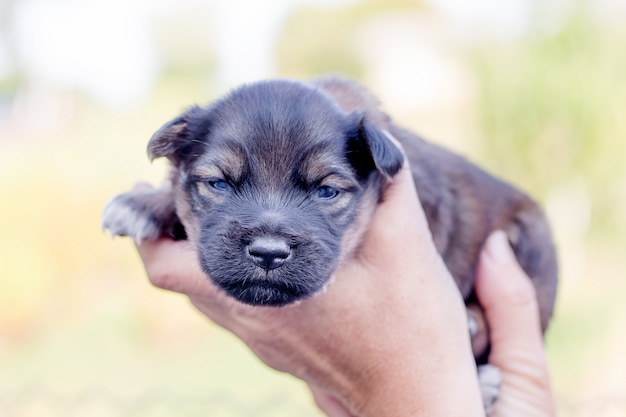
{"points": [[269, 252]]}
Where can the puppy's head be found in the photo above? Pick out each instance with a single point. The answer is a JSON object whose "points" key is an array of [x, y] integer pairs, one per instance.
{"points": [[274, 184]]}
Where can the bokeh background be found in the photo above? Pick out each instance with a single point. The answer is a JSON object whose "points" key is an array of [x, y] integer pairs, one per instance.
{"points": [[533, 90]]}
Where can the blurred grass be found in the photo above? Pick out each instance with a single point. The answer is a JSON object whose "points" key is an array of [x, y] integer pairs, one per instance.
{"points": [[82, 332]]}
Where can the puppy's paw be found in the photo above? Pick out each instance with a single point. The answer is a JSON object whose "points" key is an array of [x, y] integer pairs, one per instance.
{"points": [[490, 381], [129, 215]]}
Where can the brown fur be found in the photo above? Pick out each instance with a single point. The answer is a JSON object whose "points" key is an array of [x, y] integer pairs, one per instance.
{"points": [[463, 204]]}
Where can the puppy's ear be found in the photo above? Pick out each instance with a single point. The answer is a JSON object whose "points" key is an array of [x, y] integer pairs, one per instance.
{"points": [[386, 155], [175, 138], [372, 149], [167, 139]]}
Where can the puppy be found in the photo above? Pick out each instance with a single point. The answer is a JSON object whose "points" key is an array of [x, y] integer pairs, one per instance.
{"points": [[275, 185]]}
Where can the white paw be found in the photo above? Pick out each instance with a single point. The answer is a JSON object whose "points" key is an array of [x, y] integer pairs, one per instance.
{"points": [[490, 381], [123, 218]]}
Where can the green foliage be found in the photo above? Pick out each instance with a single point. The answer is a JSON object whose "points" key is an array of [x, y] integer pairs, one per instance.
{"points": [[547, 110]]}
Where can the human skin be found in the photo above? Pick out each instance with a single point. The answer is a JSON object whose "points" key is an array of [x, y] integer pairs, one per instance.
{"points": [[517, 344], [517, 349], [389, 337]]}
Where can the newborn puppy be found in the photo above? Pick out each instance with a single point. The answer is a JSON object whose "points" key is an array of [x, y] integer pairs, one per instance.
{"points": [[275, 185]]}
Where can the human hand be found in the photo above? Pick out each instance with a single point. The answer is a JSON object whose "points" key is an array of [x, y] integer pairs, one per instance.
{"points": [[388, 338], [517, 350], [510, 304], [396, 353]]}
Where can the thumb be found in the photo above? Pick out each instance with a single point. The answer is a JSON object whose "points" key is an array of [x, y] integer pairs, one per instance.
{"points": [[508, 298], [173, 265], [399, 217], [510, 303]]}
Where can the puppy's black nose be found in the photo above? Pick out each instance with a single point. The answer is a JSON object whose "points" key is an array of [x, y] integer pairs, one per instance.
{"points": [[268, 252]]}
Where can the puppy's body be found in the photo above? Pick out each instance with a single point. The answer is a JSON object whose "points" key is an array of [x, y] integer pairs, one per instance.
{"points": [[464, 204], [276, 183]]}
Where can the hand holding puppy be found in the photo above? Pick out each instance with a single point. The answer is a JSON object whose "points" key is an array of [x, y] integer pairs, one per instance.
{"points": [[516, 340], [363, 346]]}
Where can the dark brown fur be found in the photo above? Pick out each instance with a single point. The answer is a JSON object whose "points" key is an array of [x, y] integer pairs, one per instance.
{"points": [[463, 203]]}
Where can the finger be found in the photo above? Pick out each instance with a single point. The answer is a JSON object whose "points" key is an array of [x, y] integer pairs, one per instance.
{"points": [[509, 300], [399, 217], [399, 199], [173, 265]]}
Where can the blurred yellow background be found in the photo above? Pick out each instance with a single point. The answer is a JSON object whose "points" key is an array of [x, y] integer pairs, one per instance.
{"points": [[533, 90]]}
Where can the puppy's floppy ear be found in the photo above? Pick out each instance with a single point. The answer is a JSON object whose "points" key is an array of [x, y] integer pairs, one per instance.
{"points": [[386, 155], [176, 138], [166, 140], [372, 147]]}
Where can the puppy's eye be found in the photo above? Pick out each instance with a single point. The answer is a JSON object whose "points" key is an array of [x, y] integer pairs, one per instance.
{"points": [[325, 192], [219, 184]]}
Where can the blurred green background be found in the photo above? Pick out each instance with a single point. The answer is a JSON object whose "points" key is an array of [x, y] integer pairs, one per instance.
{"points": [[533, 90]]}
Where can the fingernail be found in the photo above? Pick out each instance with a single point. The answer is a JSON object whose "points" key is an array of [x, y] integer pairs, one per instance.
{"points": [[498, 248]]}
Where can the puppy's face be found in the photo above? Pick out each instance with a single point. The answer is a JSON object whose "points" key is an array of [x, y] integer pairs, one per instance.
{"points": [[273, 185]]}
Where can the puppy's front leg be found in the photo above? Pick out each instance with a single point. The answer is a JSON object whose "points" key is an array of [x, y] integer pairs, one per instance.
{"points": [[143, 214]]}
